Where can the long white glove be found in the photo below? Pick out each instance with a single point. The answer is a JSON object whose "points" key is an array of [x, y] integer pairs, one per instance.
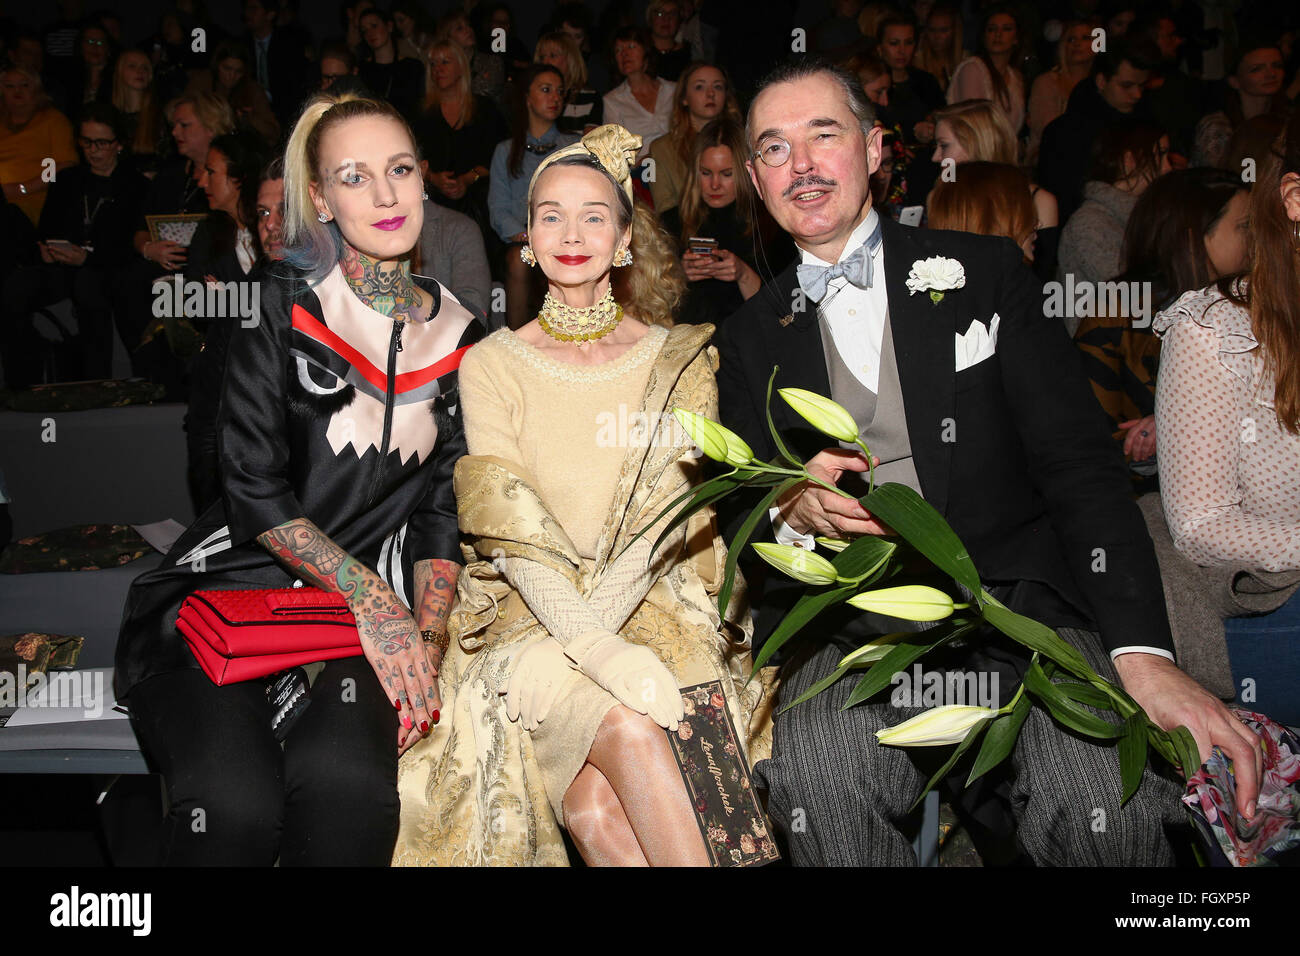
{"points": [[535, 682], [631, 673]]}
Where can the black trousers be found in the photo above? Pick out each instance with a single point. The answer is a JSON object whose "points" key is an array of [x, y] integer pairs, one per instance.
{"points": [[327, 798]]}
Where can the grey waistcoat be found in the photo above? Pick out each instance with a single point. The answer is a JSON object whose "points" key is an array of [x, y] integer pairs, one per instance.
{"points": [[880, 416]]}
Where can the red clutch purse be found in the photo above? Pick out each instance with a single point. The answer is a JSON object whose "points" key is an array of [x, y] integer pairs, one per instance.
{"points": [[240, 635]]}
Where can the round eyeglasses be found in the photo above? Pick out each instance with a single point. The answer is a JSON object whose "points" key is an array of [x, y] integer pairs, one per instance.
{"points": [[773, 151]]}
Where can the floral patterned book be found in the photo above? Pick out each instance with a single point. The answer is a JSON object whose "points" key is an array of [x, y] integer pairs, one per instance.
{"points": [[708, 752]]}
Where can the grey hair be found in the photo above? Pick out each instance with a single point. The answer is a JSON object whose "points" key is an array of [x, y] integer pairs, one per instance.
{"points": [[801, 69]]}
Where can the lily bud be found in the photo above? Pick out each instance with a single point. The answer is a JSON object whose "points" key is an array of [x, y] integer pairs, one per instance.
{"points": [[739, 453], [911, 602], [832, 544], [806, 566], [943, 725], [704, 433], [823, 414], [872, 651]]}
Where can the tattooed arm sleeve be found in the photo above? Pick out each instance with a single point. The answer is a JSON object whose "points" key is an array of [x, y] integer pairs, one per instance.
{"points": [[310, 553], [435, 588]]}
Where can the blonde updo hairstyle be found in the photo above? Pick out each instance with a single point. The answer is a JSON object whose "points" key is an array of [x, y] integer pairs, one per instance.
{"points": [[310, 244], [652, 287]]}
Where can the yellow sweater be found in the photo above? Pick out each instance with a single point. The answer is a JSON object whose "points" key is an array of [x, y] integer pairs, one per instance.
{"points": [[22, 154], [567, 425]]}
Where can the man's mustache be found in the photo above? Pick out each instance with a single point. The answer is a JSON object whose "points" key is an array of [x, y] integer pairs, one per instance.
{"points": [[803, 182]]}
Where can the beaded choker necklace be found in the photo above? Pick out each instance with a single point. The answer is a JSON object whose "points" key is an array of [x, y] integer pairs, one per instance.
{"points": [[570, 324]]}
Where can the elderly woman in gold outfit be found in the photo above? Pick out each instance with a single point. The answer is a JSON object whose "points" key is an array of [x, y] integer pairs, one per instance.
{"points": [[568, 645]]}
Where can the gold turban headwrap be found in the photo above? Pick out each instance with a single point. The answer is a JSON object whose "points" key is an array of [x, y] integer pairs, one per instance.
{"points": [[614, 148]]}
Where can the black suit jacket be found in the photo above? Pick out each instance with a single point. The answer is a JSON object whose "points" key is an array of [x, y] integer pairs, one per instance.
{"points": [[1013, 451]]}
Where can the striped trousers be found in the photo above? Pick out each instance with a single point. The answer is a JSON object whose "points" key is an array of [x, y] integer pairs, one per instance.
{"points": [[839, 797]]}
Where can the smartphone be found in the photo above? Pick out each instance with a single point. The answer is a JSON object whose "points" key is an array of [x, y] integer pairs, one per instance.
{"points": [[911, 215], [60, 242], [702, 246]]}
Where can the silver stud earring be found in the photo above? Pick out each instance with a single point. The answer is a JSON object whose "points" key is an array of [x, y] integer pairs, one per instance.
{"points": [[322, 217], [425, 196]]}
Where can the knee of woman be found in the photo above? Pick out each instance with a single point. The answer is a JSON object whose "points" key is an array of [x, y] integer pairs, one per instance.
{"points": [[591, 815], [632, 732], [228, 807]]}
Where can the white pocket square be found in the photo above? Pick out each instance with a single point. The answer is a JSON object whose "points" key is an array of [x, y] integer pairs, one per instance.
{"points": [[979, 343]]}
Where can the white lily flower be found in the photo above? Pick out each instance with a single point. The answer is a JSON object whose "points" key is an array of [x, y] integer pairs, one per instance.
{"points": [[911, 602], [806, 566], [825, 415], [942, 725], [871, 651]]}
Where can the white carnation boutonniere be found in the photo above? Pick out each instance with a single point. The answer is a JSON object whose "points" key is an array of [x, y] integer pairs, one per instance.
{"points": [[935, 275]]}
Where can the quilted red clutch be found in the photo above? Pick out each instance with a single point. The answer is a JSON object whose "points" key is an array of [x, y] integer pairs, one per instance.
{"points": [[240, 635]]}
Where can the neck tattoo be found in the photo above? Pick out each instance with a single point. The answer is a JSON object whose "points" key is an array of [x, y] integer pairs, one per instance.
{"points": [[384, 285]]}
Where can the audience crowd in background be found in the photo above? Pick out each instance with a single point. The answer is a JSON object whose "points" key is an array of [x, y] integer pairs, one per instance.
{"points": [[1108, 140]]}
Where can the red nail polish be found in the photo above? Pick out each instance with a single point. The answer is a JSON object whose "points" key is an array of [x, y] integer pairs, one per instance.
{"points": [[397, 705], [435, 716], [424, 726], [406, 722]]}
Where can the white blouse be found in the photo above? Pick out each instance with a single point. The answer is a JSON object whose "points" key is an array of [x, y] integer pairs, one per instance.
{"points": [[1229, 473], [621, 107]]}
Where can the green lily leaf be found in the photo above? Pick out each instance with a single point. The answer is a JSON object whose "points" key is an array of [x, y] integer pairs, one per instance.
{"points": [[696, 494], [1000, 739], [901, 657], [866, 555], [742, 538], [925, 529], [1066, 711], [818, 687], [805, 609], [771, 426], [1035, 636], [942, 772], [1160, 741], [1086, 694], [1188, 753], [717, 489], [1132, 755]]}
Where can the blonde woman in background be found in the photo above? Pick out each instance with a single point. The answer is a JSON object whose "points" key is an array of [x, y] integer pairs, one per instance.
{"points": [[1051, 90], [583, 107], [135, 97], [974, 130], [571, 642], [457, 132]]}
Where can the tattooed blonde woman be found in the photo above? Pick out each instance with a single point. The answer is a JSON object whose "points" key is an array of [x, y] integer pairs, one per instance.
{"points": [[572, 641], [338, 433]]}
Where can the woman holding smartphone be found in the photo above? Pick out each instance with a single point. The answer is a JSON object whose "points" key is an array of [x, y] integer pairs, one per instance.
{"points": [[718, 206]]}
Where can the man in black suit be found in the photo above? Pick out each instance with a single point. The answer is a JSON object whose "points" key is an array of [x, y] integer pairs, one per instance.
{"points": [[977, 402], [279, 58]]}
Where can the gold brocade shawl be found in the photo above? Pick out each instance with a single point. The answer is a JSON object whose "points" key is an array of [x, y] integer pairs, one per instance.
{"points": [[472, 792]]}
